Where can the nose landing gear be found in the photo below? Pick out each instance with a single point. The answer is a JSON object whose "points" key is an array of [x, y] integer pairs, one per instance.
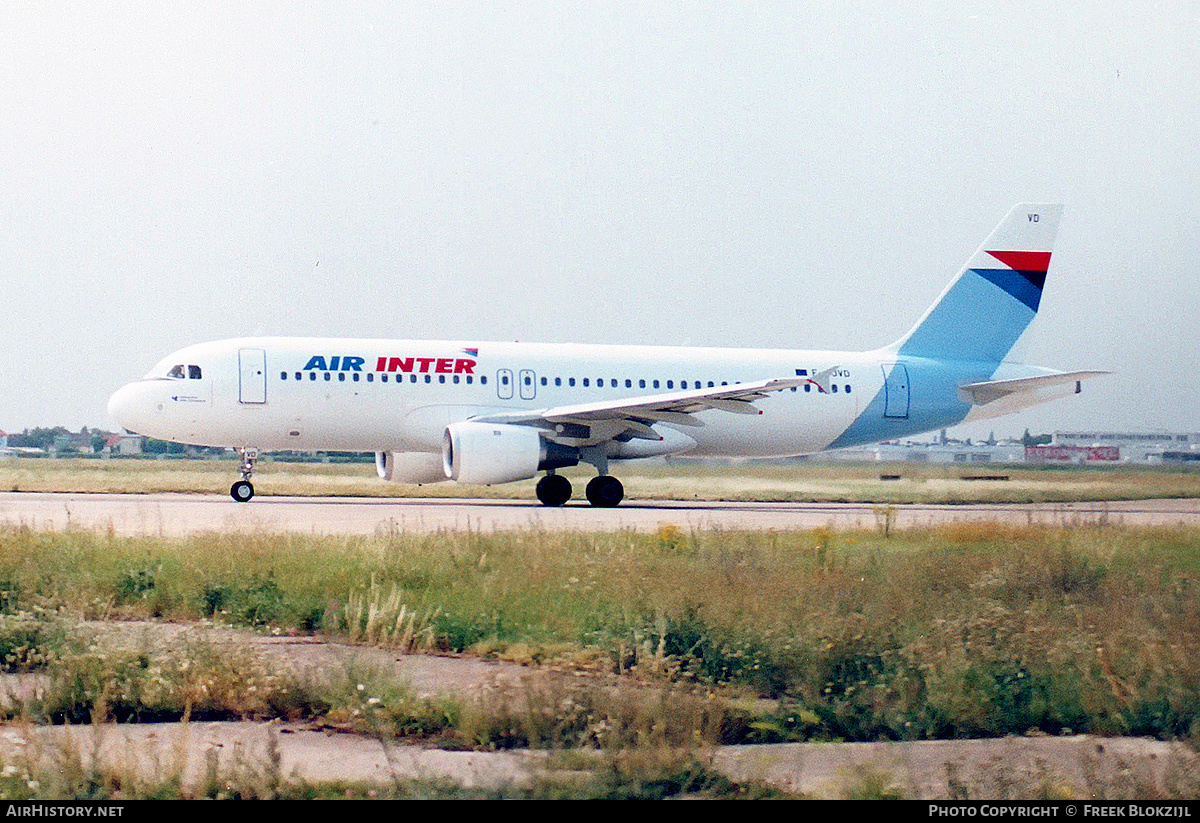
{"points": [[243, 490]]}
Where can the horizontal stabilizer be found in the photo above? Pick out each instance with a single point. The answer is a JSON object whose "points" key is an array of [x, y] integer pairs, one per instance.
{"points": [[989, 390]]}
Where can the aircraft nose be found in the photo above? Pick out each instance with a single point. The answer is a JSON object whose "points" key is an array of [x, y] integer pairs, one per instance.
{"points": [[127, 407]]}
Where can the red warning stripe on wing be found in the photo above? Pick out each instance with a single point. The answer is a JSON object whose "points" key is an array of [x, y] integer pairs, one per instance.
{"points": [[1023, 260]]}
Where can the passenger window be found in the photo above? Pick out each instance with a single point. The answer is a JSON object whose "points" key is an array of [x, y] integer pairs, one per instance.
{"points": [[571, 381], [483, 380], [558, 381], [670, 384], [370, 377], [641, 384], [356, 377], [299, 375], [312, 375], [847, 388], [328, 377], [341, 377], [833, 386], [656, 384], [585, 382], [283, 375]]}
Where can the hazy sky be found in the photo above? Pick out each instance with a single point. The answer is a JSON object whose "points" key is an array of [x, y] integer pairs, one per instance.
{"points": [[745, 174]]}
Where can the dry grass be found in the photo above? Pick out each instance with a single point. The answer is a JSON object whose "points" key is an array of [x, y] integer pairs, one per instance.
{"points": [[678, 480], [971, 629]]}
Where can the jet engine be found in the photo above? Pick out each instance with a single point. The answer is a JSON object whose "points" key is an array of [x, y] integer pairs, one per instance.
{"points": [[487, 453], [410, 467]]}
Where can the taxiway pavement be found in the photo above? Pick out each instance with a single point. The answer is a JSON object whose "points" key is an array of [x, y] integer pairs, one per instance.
{"points": [[177, 515]]}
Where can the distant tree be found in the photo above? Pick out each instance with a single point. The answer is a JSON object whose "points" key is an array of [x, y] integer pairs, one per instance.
{"points": [[36, 438], [1036, 439], [152, 446]]}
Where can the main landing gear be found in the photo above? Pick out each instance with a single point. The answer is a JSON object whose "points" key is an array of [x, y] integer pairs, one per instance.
{"points": [[604, 491], [553, 490], [243, 490]]}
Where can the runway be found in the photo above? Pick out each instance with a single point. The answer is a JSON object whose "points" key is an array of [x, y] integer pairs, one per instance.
{"points": [[176, 515]]}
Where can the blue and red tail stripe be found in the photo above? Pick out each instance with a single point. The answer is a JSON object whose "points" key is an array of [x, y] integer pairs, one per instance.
{"points": [[1025, 276]]}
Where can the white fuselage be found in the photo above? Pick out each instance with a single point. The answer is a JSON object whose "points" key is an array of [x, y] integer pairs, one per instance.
{"points": [[399, 395], [383, 395]]}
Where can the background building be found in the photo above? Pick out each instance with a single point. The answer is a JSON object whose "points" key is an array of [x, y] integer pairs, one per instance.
{"points": [[1096, 448], [1134, 447]]}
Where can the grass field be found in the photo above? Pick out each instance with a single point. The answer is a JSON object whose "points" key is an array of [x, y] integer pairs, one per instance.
{"points": [[954, 631], [646, 480]]}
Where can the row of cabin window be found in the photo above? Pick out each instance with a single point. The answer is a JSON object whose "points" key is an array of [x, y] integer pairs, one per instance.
{"points": [[558, 381], [653, 384]]}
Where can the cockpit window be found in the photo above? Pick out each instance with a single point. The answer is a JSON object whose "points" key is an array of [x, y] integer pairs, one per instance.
{"points": [[179, 371]]}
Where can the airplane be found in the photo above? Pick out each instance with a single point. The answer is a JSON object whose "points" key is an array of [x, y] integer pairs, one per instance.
{"points": [[489, 413]]}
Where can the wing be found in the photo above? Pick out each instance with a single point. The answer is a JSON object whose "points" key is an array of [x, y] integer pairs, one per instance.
{"points": [[631, 418]]}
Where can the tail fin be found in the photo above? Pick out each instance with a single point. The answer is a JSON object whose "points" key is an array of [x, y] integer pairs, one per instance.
{"points": [[989, 305]]}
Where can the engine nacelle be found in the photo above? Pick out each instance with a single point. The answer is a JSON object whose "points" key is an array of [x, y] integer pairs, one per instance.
{"points": [[487, 453], [410, 467]]}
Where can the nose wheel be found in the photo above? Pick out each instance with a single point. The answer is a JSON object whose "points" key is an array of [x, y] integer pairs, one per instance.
{"points": [[243, 490]]}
